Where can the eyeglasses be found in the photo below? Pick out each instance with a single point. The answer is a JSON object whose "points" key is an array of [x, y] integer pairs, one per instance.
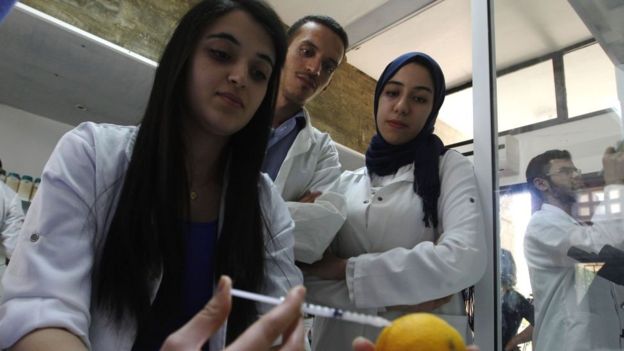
{"points": [[571, 171]]}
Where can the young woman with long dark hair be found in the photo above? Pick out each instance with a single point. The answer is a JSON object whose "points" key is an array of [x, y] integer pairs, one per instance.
{"points": [[132, 226]]}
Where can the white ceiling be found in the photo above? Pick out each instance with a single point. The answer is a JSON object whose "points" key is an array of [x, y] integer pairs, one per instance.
{"points": [[344, 12], [68, 75], [48, 69], [442, 28], [442, 31]]}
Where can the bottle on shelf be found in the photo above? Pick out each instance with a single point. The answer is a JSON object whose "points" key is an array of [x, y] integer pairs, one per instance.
{"points": [[25, 187], [13, 180], [35, 188]]}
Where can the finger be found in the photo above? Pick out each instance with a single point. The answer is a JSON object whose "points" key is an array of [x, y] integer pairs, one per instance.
{"points": [[293, 338], [205, 323], [310, 196], [264, 332], [610, 150], [315, 194], [305, 196], [363, 344], [472, 348], [307, 199]]}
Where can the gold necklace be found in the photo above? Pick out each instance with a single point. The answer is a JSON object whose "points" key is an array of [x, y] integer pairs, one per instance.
{"points": [[194, 195]]}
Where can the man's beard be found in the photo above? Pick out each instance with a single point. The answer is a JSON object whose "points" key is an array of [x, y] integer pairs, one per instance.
{"points": [[565, 196]]}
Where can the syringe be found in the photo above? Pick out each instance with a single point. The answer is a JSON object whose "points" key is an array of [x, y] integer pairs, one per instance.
{"points": [[317, 310]]}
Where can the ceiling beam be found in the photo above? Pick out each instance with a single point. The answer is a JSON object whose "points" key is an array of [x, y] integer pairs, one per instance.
{"points": [[383, 18]]}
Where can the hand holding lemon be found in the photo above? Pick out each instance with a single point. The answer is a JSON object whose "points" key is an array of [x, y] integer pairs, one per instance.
{"points": [[412, 332]]}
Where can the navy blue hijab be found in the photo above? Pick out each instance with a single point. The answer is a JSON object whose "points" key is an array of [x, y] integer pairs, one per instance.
{"points": [[423, 151]]}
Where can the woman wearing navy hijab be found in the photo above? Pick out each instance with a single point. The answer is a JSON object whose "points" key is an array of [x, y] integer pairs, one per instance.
{"points": [[413, 237]]}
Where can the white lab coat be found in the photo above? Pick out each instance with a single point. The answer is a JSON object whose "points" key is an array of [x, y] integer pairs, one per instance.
{"points": [[312, 164], [48, 282], [392, 257], [11, 219], [574, 308]]}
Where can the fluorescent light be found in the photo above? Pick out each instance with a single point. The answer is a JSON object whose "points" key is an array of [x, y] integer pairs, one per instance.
{"points": [[80, 32]]}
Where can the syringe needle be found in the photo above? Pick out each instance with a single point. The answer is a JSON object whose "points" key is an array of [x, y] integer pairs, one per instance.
{"points": [[316, 310]]}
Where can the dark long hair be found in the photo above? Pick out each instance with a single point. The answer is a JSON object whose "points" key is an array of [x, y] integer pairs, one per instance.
{"points": [[145, 237]]}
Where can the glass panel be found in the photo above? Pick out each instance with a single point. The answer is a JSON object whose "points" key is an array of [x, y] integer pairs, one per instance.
{"points": [[584, 211], [536, 102], [558, 227], [614, 195], [589, 90], [454, 122]]}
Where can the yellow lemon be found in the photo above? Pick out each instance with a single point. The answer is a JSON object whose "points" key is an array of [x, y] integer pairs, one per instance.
{"points": [[420, 332]]}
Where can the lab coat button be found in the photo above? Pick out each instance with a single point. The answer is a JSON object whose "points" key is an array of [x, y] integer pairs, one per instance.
{"points": [[365, 201], [34, 237], [380, 198]]}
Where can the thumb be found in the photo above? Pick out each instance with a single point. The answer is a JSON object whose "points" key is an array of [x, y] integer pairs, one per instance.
{"points": [[213, 315], [206, 322], [610, 150], [362, 344]]}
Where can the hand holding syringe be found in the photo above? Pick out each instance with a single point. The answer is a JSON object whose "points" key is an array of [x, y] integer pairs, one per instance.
{"points": [[317, 310]]}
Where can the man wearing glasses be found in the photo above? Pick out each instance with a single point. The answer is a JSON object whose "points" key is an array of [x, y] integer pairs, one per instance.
{"points": [[577, 303]]}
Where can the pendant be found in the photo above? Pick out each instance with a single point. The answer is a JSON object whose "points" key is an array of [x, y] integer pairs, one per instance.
{"points": [[193, 195]]}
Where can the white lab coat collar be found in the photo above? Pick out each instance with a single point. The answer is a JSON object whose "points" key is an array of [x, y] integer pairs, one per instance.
{"points": [[403, 174], [303, 141], [301, 145], [552, 208], [555, 209]]}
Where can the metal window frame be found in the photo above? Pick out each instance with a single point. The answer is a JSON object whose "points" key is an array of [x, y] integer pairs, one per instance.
{"points": [[487, 291], [487, 310]]}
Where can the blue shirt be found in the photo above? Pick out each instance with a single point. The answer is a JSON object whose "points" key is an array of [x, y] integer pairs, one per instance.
{"points": [[280, 141], [200, 265], [197, 284]]}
